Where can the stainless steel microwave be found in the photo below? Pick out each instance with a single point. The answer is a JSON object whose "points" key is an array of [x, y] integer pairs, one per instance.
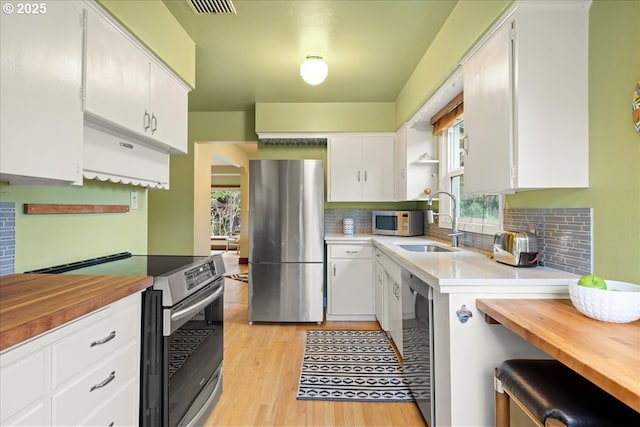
{"points": [[398, 223]]}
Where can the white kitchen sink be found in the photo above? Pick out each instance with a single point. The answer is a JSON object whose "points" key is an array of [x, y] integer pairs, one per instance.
{"points": [[425, 248]]}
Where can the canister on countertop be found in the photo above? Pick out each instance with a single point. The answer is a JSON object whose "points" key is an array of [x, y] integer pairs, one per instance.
{"points": [[348, 227]]}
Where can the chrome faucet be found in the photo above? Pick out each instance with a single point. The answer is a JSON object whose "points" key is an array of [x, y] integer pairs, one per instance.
{"points": [[454, 218]]}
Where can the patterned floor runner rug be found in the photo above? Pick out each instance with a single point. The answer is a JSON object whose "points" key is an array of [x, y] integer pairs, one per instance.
{"points": [[241, 277], [348, 365]]}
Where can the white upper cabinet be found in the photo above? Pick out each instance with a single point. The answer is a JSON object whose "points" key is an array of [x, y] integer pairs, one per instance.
{"points": [[41, 120], [526, 101], [169, 109], [127, 89], [416, 158], [361, 167]]}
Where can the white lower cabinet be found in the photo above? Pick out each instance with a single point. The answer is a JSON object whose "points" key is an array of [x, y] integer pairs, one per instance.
{"points": [[380, 298], [350, 290], [393, 283], [85, 372]]}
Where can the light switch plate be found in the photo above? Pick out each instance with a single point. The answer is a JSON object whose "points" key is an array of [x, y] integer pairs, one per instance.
{"points": [[133, 203]]}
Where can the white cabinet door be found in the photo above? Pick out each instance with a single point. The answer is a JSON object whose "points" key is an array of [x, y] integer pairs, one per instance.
{"points": [[41, 78], [116, 78], [379, 296], [169, 110], [394, 295], [350, 285], [488, 117], [345, 174], [378, 165], [400, 171], [526, 101], [361, 168], [126, 89], [25, 376]]}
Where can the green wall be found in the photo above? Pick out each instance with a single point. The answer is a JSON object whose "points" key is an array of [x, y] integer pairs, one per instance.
{"points": [[466, 24], [157, 28], [45, 240], [171, 212], [614, 147], [325, 117]]}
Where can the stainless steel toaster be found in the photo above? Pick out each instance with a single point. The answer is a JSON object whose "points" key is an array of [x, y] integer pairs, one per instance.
{"points": [[517, 248]]}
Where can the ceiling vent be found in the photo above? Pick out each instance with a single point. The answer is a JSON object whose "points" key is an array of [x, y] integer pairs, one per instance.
{"points": [[212, 7]]}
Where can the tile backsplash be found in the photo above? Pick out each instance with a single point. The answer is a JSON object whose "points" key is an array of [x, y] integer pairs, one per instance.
{"points": [[564, 234], [7, 237], [361, 219]]}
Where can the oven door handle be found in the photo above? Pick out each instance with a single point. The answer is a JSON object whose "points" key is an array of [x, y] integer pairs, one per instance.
{"points": [[192, 309]]}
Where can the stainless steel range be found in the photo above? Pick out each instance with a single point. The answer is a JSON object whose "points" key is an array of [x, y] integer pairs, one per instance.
{"points": [[182, 332]]}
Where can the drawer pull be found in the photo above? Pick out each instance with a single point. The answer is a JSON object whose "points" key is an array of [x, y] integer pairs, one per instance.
{"points": [[126, 145], [111, 377], [352, 252], [104, 340]]}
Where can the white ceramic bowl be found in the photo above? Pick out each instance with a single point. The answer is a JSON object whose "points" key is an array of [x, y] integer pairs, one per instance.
{"points": [[619, 303]]}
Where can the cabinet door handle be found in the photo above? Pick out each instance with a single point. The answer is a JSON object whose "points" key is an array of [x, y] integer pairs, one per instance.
{"points": [[403, 174], [358, 176], [110, 378], [465, 144], [146, 122], [365, 176], [104, 340], [334, 270], [154, 124]]}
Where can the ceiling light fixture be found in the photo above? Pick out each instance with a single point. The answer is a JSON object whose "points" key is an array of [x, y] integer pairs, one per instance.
{"points": [[314, 70]]}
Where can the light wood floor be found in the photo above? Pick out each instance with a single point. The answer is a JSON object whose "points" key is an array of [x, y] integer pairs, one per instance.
{"points": [[262, 367]]}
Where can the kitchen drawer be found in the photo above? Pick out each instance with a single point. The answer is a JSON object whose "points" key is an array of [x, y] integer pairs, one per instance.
{"points": [[351, 251], [73, 403], [23, 385], [120, 410], [106, 331]]}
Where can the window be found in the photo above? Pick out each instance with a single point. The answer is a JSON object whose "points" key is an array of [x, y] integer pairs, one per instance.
{"points": [[225, 212], [479, 213]]}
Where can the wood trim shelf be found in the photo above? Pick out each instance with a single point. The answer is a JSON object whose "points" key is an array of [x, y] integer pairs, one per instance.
{"points": [[43, 209]]}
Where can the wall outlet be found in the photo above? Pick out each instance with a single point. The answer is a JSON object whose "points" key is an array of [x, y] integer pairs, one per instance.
{"points": [[133, 203]]}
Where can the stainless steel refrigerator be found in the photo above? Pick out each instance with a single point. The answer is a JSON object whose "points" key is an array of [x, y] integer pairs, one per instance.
{"points": [[286, 241]]}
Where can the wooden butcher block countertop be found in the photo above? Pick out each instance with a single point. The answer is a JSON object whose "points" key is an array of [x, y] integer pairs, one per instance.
{"points": [[607, 354], [31, 304]]}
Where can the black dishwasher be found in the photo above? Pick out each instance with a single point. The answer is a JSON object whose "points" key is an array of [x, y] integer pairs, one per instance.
{"points": [[417, 337]]}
